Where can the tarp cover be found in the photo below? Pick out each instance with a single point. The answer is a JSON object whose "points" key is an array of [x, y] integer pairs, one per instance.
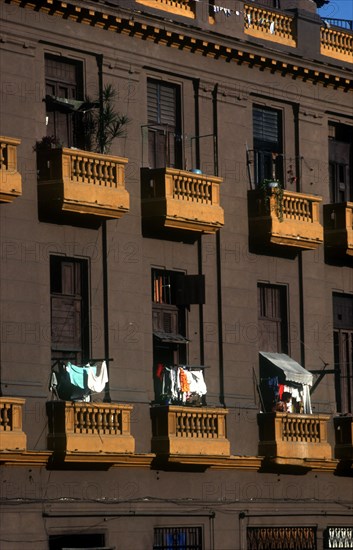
{"points": [[293, 372]]}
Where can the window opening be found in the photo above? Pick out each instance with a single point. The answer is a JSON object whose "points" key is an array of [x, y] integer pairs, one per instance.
{"points": [[164, 125], [69, 308], [338, 537], [340, 162], [272, 318], [283, 538], [63, 80], [343, 351], [268, 144], [91, 541], [177, 538]]}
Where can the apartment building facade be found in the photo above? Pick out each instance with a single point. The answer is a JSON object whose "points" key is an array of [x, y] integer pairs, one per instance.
{"points": [[162, 290]]}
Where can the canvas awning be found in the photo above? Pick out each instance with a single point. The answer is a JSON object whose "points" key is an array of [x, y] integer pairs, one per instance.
{"points": [[170, 337], [69, 105], [280, 364]]}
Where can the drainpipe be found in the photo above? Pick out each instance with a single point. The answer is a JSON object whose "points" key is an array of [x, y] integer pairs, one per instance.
{"points": [[107, 398], [300, 254], [196, 84], [218, 255]]}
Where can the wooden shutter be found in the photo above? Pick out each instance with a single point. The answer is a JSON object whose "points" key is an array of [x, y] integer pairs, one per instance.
{"points": [[69, 306], [272, 319], [343, 351], [63, 78], [163, 118], [189, 289]]}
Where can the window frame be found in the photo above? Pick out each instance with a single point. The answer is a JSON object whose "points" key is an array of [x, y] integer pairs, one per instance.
{"points": [[282, 321], [159, 135], [79, 296], [268, 155], [66, 127]]}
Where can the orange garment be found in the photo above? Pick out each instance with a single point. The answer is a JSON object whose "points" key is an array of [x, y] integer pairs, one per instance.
{"points": [[184, 384]]}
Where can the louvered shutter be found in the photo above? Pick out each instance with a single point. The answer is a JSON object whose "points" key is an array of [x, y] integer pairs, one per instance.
{"points": [[164, 146]]}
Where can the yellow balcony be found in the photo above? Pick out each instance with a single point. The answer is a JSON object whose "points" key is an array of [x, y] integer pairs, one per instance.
{"points": [[81, 183], [343, 437], [10, 178], [179, 199], [338, 228], [337, 44], [76, 427], [11, 435], [294, 224], [269, 25], [179, 430], [179, 7], [293, 438]]}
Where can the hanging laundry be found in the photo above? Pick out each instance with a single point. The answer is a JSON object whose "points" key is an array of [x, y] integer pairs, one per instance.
{"points": [[96, 382], [197, 382], [184, 384], [272, 27]]}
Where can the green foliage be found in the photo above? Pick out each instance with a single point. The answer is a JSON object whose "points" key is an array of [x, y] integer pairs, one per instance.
{"points": [[103, 126]]}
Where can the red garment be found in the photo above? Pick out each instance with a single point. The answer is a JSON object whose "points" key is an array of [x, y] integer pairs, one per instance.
{"points": [[280, 390], [159, 371]]}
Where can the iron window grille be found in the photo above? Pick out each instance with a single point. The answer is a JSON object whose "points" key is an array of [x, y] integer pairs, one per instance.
{"points": [[338, 537], [178, 538], [281, 538]]}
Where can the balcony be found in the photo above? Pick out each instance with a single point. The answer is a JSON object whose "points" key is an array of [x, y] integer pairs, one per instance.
{"points": [[266, 24], [293, 438], [11, 435], [80, 183], [179, 430], [178, 7], [10, 178], [343, 437], [338, 229], [296, 225], [179, 199], [96, 428], [337, 43]]}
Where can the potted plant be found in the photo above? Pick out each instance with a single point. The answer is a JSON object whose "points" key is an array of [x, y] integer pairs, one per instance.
{"points": [[102, 126], [273, 188]]}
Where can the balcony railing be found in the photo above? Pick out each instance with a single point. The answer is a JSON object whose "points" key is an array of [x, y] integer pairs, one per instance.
{"points": [[337, 43], [338, 229], [289, 438], [343, 437], [182, 200], [11, 435], [83, 183], [179, 430], [180, 7], [89, 427], [269, 25], [293, 222], [10, 178]]}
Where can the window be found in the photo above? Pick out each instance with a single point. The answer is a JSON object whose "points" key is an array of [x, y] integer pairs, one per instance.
{"points": [[268, 147], [343, 351], [73, 542], [164, 125], [340, 162], [64, 80], [281, 538], [338, 537], [272, 318], [172, 293], [177, 538], [69, 308]]}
